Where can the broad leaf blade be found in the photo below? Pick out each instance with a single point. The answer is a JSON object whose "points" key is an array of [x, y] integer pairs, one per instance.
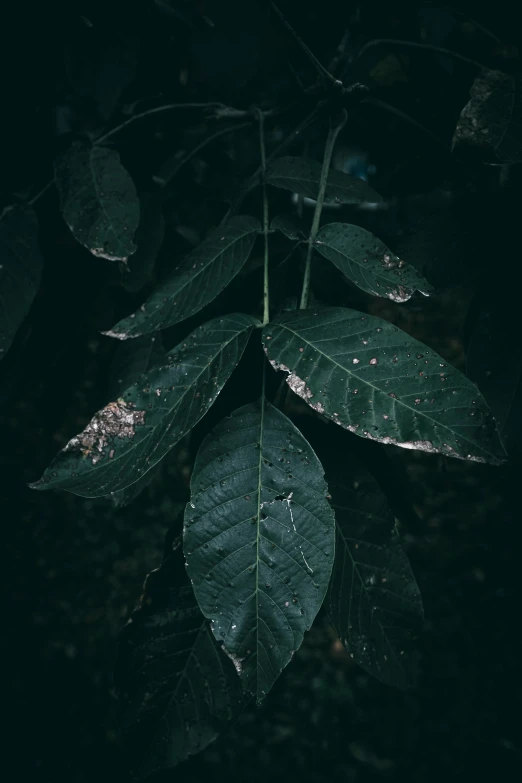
{"points": [[291, 226], [20, 270], [98, 200], [128, 437], [131, 360], [378, 382], [177, 688], [373, 599], [197, 281], [302, 176], [368, 263], [259, 540], [493, 116]]}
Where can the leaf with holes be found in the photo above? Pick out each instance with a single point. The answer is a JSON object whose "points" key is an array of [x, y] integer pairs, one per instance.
{"points": [[177, 689], [378, 382], [302, 176], [204, 273], [368, 263], [493, 116], [259, 540], [20, 270], [129, 436], [98, 200], [373, 599]]}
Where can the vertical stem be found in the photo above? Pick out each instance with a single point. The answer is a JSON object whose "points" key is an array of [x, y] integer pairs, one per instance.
{"points": [[266, 301], [328, 150]]}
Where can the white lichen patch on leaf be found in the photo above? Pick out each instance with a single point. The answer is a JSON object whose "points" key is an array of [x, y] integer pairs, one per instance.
{"points": [[117, 420], [236, 660]]}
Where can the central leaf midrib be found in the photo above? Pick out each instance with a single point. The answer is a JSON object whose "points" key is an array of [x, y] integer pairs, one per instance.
{"points": [[379, 391], [258, 531]]}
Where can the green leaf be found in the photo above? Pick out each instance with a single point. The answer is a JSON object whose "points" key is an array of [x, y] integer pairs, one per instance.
{"points": [[20, 270], [373, 599], [378, 382], [368, 263], [98, 200], [291, 226], [131, 360], [204, 273], [176, 687], [493, 116], [259, 540], [128, 437], [149, 238], [302, 176]]}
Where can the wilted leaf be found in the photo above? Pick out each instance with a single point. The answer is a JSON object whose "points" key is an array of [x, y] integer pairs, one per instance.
{"points": [[493, 116], [20, 270], [259, 540], [378, 382], [131, 360], [204, 273], [302, 176], [290, 225], [149, 238], [98, 200], [129, 436], [177, 688], [373, 599], [368, 263]]}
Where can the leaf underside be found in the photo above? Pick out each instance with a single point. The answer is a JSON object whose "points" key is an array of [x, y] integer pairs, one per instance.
{"points": [[129, 436], [259, 540], [302, 176], [203, 274], [373, 599], [368, 263], [378, 382], [98, 200], [176, 687], [20, 270]]}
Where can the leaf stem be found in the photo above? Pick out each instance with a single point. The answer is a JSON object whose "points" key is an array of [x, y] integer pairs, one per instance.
{"points": [[417, 45], [266, 301], [328, 150], [41, 192]]}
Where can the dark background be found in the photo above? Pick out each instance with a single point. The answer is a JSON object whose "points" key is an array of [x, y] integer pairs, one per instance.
{"points": [[74, 567]]}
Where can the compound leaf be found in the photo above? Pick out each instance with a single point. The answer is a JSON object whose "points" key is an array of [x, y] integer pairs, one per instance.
{"points": [[204, 273], [129, 436], [378, 382], [368, 263], [20, 270], [259, 540], [302, 176], [98, 200]]}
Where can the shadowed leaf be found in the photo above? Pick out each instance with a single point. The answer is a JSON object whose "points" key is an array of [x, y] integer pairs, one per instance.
{"points": [[302, 176], [98, 200], [378, 382], [368, 263], [131, 360], [290, 225], [203, 274], [259, 540], [149, 237], [128, 437]]}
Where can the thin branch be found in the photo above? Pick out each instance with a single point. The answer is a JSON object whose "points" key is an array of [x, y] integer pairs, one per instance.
{"points": [[403, 116], [40, 193], [266, 301], [416, 45], [328, 150], [313, 59]]}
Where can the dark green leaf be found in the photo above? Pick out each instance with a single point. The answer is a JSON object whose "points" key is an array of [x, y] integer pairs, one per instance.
{"points": [[368, 263], [290, 225], [98, 200], [149, 238], [176, 687], [204, 273], [259, 540], [493, 116], [378, 382], [373, 599], [302, 176], [20, 270], [129, 436], [131, 360]]}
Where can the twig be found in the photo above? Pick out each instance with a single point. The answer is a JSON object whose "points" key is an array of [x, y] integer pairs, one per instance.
{"points": [[328, 150], [266, 302], [403, 116], [416, 45], [313, 59], [40, 193]]}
